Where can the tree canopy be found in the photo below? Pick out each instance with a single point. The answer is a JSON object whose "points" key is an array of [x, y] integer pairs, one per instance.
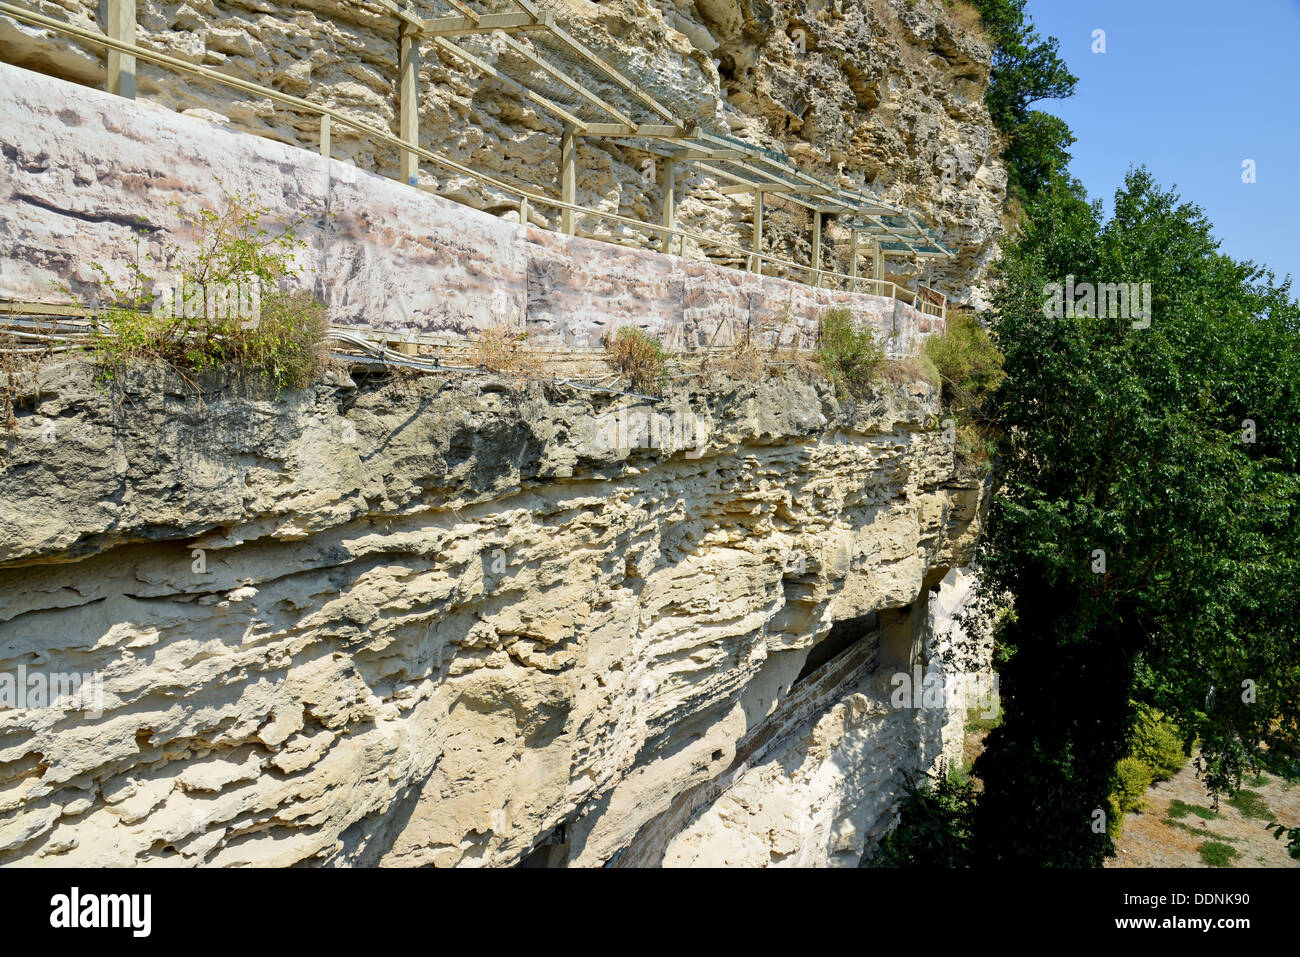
{"points": [[1026, 70], [1148, 523]]}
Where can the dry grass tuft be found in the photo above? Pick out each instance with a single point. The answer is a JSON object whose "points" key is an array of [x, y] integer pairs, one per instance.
{"points": [[641, 359], [503, 349], [21, 359], [767, 349], [908, 371], [745, 362]]}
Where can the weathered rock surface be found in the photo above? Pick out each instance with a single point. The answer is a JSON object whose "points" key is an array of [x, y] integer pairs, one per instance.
{"points": [[92, 182], [882, 93], [432, 621], [830, 791]]}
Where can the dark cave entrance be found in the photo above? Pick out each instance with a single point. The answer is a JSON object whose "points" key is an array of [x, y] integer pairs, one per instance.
{"points": [[844, 634]]}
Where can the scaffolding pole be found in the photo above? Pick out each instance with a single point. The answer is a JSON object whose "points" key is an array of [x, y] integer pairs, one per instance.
{"points": [[667, 181], [121, 66], [853, 258], [568, 178], [817, 247], [409, 105]]}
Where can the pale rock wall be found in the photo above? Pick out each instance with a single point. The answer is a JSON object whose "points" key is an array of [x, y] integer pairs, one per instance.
{"points": [[441, 622], [436, 621], [884, 93], [93, 181], [830, 792]]}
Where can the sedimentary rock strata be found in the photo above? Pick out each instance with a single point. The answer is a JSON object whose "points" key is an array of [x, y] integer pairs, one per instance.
{"points": [[436, 621]]}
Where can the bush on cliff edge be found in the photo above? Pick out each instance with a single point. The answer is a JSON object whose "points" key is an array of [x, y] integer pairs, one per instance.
{"points": [[849, 353], [230, 313]]}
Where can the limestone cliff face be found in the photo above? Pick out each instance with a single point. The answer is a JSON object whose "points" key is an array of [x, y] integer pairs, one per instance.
{"points": [[882, 93], [440, 621]]}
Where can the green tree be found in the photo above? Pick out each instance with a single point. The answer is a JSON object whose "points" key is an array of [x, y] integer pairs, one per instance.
{"points": [[1148, 525], [934, 827], [1026, 70]]}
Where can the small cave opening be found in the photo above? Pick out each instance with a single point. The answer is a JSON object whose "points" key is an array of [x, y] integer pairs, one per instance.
{"points": [[843, 635], [551, 852], [726, 68]]}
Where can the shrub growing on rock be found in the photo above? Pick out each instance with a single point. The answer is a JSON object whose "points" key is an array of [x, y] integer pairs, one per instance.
{"points": [[228, 310], [849, 353], [639, 357]]}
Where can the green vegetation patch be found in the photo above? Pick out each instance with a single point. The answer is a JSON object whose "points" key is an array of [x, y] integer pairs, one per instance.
{"points": [[1217, 854], [1156, 742], [977, 720], [1251, 804], [969, 367], [850, 355], [1195, 831], [1132, 778], [1179, 808], [220, 304], [936, 824]]}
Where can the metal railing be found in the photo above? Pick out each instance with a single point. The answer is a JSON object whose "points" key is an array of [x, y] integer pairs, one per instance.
{"points": [[668, 235]]}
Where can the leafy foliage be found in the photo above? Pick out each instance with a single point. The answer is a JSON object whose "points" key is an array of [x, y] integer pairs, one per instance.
{"points": [[968, 363], [935, 824], [286, 345], [1026, 69], [1132, 778], [1156, 744], [232, 249], [1129, 444], [849, 353], [1292, 835], [970, 369]]}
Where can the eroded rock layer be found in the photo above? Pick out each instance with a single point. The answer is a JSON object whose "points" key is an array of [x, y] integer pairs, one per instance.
{"points": [[435, 621]]}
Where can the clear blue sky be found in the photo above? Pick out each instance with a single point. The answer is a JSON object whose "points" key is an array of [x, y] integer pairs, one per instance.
{"points": [[1190, 88]]}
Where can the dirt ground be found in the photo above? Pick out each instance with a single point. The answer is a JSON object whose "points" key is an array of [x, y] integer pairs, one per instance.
{"points": [[1178, 821]]}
